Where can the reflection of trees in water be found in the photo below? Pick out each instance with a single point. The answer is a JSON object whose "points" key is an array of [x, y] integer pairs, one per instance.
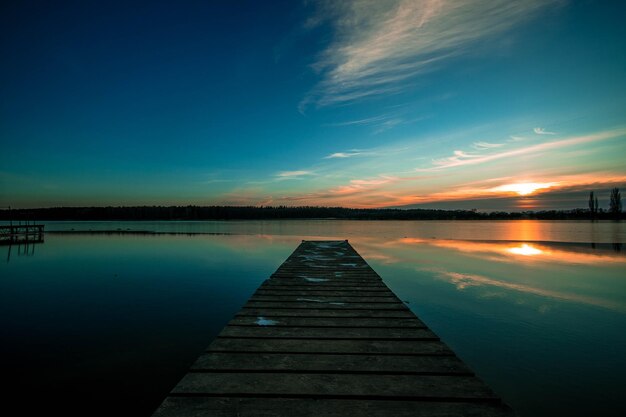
{"points": [[617, 247]]}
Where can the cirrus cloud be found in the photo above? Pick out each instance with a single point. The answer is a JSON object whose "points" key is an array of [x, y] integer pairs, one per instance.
{"points": [[542, 131], [286, 175], [380, 45]]}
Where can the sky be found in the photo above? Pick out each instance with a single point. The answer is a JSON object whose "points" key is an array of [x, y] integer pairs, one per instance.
{"points": [[475, 104]]}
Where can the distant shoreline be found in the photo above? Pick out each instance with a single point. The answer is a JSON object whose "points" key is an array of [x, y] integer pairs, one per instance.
{"points": [[198, 213]]}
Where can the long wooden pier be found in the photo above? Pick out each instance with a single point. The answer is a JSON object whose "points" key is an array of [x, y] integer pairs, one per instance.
{"points": [[324, 336]]}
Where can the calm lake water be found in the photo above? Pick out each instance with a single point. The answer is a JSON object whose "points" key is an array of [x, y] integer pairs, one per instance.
{"points": [[537, 309]]}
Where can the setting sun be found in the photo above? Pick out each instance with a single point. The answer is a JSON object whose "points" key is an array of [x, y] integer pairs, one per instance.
{"points": [[525, 188]]}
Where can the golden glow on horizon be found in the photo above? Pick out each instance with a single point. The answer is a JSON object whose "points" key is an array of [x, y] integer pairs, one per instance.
{"points": [[379, 191], [524, 188], [525, 250]]}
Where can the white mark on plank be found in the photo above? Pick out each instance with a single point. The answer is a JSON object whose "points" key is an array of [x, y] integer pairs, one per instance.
{"points": [[262, 321], [315, 279], [314, 300]]}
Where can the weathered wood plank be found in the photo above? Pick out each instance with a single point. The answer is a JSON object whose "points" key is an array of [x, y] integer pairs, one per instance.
{"points": [[333, 276], [305, 407], [327, 283], [323, 299], [294, 290], [326, 305], [301, 278], [328, 322], [328, 333], [363, 386], [393, 347], [314, 292], [322, 265], [311, 312], [328, 268], [290, 362]]}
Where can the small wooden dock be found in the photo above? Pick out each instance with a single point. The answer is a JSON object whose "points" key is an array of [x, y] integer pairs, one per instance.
{"points": [[21, 233], [324, 336]]}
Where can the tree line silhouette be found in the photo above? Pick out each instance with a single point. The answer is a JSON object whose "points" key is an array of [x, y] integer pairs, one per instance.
{"points": [[285, 212]]}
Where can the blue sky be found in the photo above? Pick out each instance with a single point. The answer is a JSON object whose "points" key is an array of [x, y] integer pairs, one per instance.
{"points": [[471, 104]]}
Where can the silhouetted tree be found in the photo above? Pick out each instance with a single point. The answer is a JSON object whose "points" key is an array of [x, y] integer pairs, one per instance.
{"points": [[593, 205], [615, 204]]}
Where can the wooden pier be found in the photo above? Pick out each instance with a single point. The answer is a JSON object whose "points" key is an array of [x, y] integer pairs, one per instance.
{"points": [[324, 336], [21, 233]]}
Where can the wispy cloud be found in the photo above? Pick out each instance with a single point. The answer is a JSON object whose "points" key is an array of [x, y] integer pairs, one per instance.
{"points": [[389, 124], [460, 158], [380, 45], [357, 186], [542, 131], [290, 175], [486, 145], [513, 138], [351, 153], [342, 155], [217, 180], [366, 121], [386, 121]]}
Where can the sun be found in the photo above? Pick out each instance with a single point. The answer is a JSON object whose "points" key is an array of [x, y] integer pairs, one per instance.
{"points": [[524, 188]]}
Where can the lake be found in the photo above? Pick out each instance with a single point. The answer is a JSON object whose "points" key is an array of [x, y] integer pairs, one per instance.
{"points": [[103, 320]]}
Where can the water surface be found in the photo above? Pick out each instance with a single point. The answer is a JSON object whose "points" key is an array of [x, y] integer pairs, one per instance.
{"points": [[537, 309]]}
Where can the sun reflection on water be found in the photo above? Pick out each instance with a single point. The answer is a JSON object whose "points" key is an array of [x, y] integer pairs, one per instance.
{"points": [[503, 251], [525, 249]]}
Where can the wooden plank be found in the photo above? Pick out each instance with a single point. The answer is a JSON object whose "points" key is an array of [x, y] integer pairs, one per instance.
{"points": [[328, 322], [321, 287], [329, 283], [362, 386], [302, 278], [326, 268], [392, 347], [328, 333], [327, 305], [311, 362], [314, 292], [323, 299], [323, 265], [306, 407], [321, 280], [311, 312]]}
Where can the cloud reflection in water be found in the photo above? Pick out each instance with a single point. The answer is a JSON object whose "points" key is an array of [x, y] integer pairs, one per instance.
{"points": [[556, 271]]}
